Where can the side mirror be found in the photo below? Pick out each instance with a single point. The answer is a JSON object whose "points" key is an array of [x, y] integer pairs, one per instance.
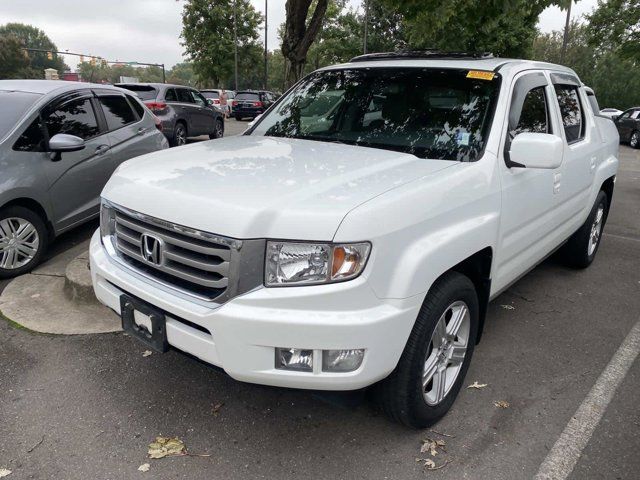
{"points": [[65, 143], [615, 117], [536, 150], [209, 101]]}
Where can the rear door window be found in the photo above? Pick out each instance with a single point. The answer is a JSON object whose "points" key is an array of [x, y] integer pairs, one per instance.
{"points": [[571, 112], [117, 111], [74, 118], [184, 96], [170, 95], [137, 106]]}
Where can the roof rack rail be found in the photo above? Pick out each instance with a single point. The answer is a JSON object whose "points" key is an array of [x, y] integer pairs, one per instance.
{"points": [[421, 54]]}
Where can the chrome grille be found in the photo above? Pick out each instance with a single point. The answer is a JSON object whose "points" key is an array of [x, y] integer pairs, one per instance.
{"points": [[199, 264]]}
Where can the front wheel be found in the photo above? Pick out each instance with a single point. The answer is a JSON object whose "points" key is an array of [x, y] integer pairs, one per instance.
{"points": [[218, 131], [634, 141], [23, 240], [431, 370], [582, 246]]}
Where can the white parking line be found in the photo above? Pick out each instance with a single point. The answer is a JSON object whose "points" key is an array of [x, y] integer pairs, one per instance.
{"points": [[564, 455]]}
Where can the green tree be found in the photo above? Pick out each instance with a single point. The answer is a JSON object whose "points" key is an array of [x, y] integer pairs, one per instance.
{"points": [[615, 25], [207, 30], [182, 74], [504, 27], [32, 37], [13, 59]]}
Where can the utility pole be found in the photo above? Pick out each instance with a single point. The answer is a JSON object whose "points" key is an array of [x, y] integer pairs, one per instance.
{"points": [[565, 38], [266, 51], [366, 25], [164, 77], [235, 43]]}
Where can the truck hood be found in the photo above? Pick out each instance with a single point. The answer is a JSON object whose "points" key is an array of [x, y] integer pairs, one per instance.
{"points": [[262, 187]]}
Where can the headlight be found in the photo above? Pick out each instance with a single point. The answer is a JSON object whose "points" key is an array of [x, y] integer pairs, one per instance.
{"points": [[301, 263]]}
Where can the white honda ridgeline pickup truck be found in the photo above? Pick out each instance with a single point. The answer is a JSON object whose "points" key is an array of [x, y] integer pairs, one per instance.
{"points": [[354, 235]]}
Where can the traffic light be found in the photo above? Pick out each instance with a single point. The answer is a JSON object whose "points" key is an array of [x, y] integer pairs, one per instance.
{"points": [[50, 55]]}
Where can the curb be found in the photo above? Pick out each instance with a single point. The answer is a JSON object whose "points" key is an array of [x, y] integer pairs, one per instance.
{"points": [[77, 281]]}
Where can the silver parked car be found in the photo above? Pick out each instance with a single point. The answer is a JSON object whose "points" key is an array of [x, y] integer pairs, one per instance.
{"points": [[59, 144]]}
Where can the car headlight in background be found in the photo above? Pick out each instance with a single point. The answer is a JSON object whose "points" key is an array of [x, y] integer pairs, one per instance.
{"points": [[300, 263]]}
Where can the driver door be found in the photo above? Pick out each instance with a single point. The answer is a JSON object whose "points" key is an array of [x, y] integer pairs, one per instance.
{"points": [[529, 195], [76, 178]]}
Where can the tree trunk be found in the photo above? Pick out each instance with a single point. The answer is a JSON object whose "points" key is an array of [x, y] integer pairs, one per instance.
{"points": [[299, 35]]}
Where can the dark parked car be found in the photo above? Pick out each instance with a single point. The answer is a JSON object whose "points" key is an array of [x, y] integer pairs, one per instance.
{"points": [[59, 144], [629, 127], [183, 111], [251, 103]]}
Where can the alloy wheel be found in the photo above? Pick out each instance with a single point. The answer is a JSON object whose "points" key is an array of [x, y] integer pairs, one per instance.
{"points": [[596, 231], [19, 242], [635, 139], [446, 352], [181, 136]]}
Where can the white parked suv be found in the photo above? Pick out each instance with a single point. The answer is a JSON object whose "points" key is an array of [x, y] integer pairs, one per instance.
{"points": [[336, 252]]}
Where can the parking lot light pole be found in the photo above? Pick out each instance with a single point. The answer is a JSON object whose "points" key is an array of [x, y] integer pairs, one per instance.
{"points": [[266, 51]]}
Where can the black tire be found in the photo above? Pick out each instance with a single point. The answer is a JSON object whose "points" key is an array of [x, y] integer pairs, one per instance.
{"points": [[41, 230], [218, 131], [238, 117], [401, 394], [634, 139], [576, 252], [179, 136]]}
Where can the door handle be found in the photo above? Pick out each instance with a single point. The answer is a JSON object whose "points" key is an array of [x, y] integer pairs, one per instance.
{"points": [[141, 130], [102, 149]]}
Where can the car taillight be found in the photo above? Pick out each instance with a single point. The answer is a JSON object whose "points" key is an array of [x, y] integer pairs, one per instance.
{"points": [[257, 104], [234, 103], [158, 123], [216, 101], [156, 106]]}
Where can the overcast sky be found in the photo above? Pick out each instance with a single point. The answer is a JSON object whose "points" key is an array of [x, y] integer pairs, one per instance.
{"points": [[149, 30]]}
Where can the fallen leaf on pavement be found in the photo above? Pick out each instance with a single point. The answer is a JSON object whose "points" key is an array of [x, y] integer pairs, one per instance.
{"points": [[147, 353], [429, 463], [4, 472], [216, 408], [501, 404], [166, 446], [477, 385], [432, 446], [144, 467], [508, 307]]}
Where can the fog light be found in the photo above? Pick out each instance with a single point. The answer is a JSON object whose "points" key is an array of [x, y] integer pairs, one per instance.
{"points": [[294, 359], [342, 360]]}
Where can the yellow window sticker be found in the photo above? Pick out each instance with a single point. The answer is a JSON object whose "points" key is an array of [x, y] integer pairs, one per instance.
{"points": [[480, 75]]}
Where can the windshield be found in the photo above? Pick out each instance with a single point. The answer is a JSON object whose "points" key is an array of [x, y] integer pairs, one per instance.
{"points": [[248, 96], [431, 113], [144, 92], [13, 106]]}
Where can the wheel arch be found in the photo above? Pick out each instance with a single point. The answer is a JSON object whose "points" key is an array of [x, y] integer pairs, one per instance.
{"points": [[477, 268], [607, 187], [35, 207]]}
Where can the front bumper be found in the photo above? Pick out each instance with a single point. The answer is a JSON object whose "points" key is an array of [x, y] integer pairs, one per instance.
{"points": [[245, 331]]}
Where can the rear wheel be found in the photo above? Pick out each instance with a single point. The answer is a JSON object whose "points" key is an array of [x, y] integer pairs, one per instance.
{"points": [[634, 141], [23, 240], [218, 131], [179, 135], [435, 360], [238, 117], [581, 248]]}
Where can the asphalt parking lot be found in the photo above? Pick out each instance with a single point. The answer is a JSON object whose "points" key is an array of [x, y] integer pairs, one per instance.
{"points": [[78, 407]]}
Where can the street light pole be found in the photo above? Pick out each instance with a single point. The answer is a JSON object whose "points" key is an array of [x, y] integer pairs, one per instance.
{"points": [[266, 51], [565, 38], [366, 25], [164, 77], [235, 43]]}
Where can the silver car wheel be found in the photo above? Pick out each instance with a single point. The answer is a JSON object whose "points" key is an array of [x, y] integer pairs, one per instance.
{"points": [[596, 231], [446, 352], [635, 139], [19, 242], [181, 136]]}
